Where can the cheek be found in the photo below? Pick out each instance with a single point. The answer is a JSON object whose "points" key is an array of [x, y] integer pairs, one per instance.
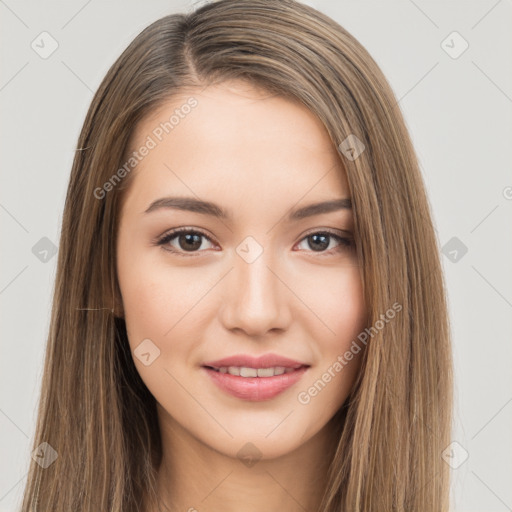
{"points": [[149, 292], [338, 310], [350, 313], [164, 304], [147, 314], [157, 309], [340, 316]]}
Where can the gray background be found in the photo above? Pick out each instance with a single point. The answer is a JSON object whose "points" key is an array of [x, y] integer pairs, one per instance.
{"points": [[458, 111]]}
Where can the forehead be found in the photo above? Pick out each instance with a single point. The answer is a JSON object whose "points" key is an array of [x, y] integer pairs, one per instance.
{"points": [[237, 141]]}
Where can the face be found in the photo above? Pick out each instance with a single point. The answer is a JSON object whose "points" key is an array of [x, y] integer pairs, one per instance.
{"points": [[263, 280]]}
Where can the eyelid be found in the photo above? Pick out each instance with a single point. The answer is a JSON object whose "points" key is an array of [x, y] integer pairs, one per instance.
{"points": [[332, 231]]}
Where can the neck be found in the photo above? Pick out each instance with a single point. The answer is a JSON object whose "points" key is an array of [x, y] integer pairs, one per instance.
{"points": [[193, 476]]}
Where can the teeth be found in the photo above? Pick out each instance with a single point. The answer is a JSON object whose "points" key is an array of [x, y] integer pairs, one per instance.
{"points": [[248, 372], [266, 372], [243, 371]]}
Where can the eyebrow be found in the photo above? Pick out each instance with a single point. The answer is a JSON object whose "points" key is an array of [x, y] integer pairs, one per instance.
{"points": [[192, 204]]}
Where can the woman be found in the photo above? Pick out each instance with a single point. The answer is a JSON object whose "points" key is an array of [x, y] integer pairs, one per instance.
{"points": [[249, 309]]}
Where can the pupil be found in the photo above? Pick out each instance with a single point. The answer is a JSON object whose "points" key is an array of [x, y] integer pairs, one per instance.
{"points": [[188, 238], [323, 245]]}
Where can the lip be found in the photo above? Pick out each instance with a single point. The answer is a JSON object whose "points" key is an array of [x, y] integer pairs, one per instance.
{"points": [[264, 361], [255, 389]]}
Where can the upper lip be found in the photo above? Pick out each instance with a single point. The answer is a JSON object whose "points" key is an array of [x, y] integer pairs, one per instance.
{"points": [[247, 361]]}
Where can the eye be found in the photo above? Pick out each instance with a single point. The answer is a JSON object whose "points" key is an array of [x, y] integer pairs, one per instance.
{"points": [[188, 240], [321, 240]]}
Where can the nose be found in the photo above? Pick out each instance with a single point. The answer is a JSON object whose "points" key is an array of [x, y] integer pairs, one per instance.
{"points": [[257, 299]]}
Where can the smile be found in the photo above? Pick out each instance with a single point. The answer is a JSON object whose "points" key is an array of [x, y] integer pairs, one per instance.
{"points": [[244, 371], [254, 384]]}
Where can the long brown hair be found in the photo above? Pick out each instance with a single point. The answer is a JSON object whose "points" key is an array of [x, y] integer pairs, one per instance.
{"points": [[95, 411]]}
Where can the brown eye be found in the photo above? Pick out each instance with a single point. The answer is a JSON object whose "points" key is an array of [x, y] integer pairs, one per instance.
{"points": [[320, 242], [187, 240]]}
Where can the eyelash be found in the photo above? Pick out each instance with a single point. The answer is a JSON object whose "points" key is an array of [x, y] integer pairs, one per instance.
{"points": [[345, 243]]}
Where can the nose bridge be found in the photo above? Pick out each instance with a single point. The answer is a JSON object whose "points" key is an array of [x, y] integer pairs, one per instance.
{"points": [[255, 280], [256, 297]]}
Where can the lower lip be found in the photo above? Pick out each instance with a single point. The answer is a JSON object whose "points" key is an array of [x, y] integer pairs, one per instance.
{"points": [[255, 389]]}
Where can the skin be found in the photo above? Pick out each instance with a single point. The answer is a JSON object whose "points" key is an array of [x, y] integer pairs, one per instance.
{"points": [[258, 156]]}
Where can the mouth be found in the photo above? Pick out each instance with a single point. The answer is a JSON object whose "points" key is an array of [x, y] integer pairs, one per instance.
{"points": [[255, 384], [248, 372]]}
